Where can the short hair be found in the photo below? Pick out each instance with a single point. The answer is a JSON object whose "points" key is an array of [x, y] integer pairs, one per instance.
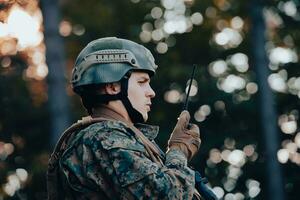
{"points": [[87, 95]]}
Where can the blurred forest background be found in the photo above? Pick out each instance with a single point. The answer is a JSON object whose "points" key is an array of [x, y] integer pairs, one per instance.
{"points": [[245, 95]]}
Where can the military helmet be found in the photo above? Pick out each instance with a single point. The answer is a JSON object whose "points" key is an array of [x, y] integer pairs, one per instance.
{"points": [[108, 60]]}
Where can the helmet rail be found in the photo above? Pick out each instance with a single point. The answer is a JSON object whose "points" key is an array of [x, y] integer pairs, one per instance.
{"points": [[103, 56]]}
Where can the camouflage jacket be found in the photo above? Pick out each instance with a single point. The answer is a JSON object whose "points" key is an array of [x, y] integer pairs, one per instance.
{"points": [[106, 161]]}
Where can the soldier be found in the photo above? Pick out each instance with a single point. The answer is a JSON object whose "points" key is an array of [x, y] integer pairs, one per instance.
{"points": [[112, 154]]}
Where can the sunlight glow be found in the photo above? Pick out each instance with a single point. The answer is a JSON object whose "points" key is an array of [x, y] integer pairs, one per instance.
{"points": [[215, 156], [217, 68], [197, 18], [14, 181], [289, 8], [294, 85], [145, 36], [4, 30], [228, 37], [6, 149], [283, 155], [78, 29], [147, 26], [287, 123], [273, 19], [219, 192], [280, 55], [232, 83], [229, 185], [157, 35], [65, 28], [240, 61], [225, 154], [229, 143], [291, 147], [234, 172], [251, 88], [289, 127], [237, 158], [23, 33], [5, 62], [249, 150], [162, 47], [156, 12], [13, 184], [41, 71], [24, 27], [253, 187], [22, 174], [199, 116], [297, 139], [237, 23], [171, 18], [211, 12], [172, 96], [277, 82], [194, 87]]}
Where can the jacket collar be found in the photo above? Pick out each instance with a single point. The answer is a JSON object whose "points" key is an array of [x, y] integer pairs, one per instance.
{"points": [[150, 131], [104, 111]]}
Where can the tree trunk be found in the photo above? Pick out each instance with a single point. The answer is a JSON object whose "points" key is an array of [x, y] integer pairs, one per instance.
{"points": [[268, 117], [57, 97]]}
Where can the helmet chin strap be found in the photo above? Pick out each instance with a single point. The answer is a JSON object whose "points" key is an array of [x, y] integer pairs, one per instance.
{"points": [[135, 115], [98, 99]]}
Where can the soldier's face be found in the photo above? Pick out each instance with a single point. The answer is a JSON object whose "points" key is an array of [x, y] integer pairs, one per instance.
{"points": [[140, 92]]}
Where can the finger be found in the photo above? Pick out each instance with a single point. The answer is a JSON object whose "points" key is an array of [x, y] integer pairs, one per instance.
{"points": [[184, 118], [194, 128], [193, 134], [197, 143]]}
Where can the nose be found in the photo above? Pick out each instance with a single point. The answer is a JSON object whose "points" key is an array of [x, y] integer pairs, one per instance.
{"points": [[150, 92]]}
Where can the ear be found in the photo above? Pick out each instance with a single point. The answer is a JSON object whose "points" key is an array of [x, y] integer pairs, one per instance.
{"points": [[112, 88]]}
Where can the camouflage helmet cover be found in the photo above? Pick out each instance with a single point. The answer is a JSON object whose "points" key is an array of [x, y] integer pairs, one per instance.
{"points": [[107, 60]]}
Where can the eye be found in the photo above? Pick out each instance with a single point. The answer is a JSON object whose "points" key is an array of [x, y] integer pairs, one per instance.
{"points": [[142, 82]]}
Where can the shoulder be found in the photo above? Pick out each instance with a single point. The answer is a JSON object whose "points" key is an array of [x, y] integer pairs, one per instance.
{"points": [[110, 134], [103, 130], [104, 127]]}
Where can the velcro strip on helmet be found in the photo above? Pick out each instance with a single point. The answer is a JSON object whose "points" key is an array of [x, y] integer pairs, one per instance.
{"points": [[103, 56]]}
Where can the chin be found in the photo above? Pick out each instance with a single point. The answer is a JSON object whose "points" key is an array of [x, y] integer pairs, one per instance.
{"points": [[145, 116]]}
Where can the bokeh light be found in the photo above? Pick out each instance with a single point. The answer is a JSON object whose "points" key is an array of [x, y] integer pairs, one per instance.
{"points": [[65, 28], [280, 55], [237, 23], [217, 68], [289, 8], [277, 82], [228, 38], [231, 83], [219, 192], [25, 27], [172, 96], [237, 158], [253, 188], [172, 17], [283, 155], [240, 62], [287, 123]]}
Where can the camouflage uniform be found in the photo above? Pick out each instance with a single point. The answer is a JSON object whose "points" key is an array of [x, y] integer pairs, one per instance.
{"points": [[105, 160]]}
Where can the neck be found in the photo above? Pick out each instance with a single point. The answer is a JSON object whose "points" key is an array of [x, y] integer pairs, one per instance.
{"points": [[114, 110]]}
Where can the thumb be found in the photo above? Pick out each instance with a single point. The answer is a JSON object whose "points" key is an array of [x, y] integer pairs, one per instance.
{"points": [[194, 128]]}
